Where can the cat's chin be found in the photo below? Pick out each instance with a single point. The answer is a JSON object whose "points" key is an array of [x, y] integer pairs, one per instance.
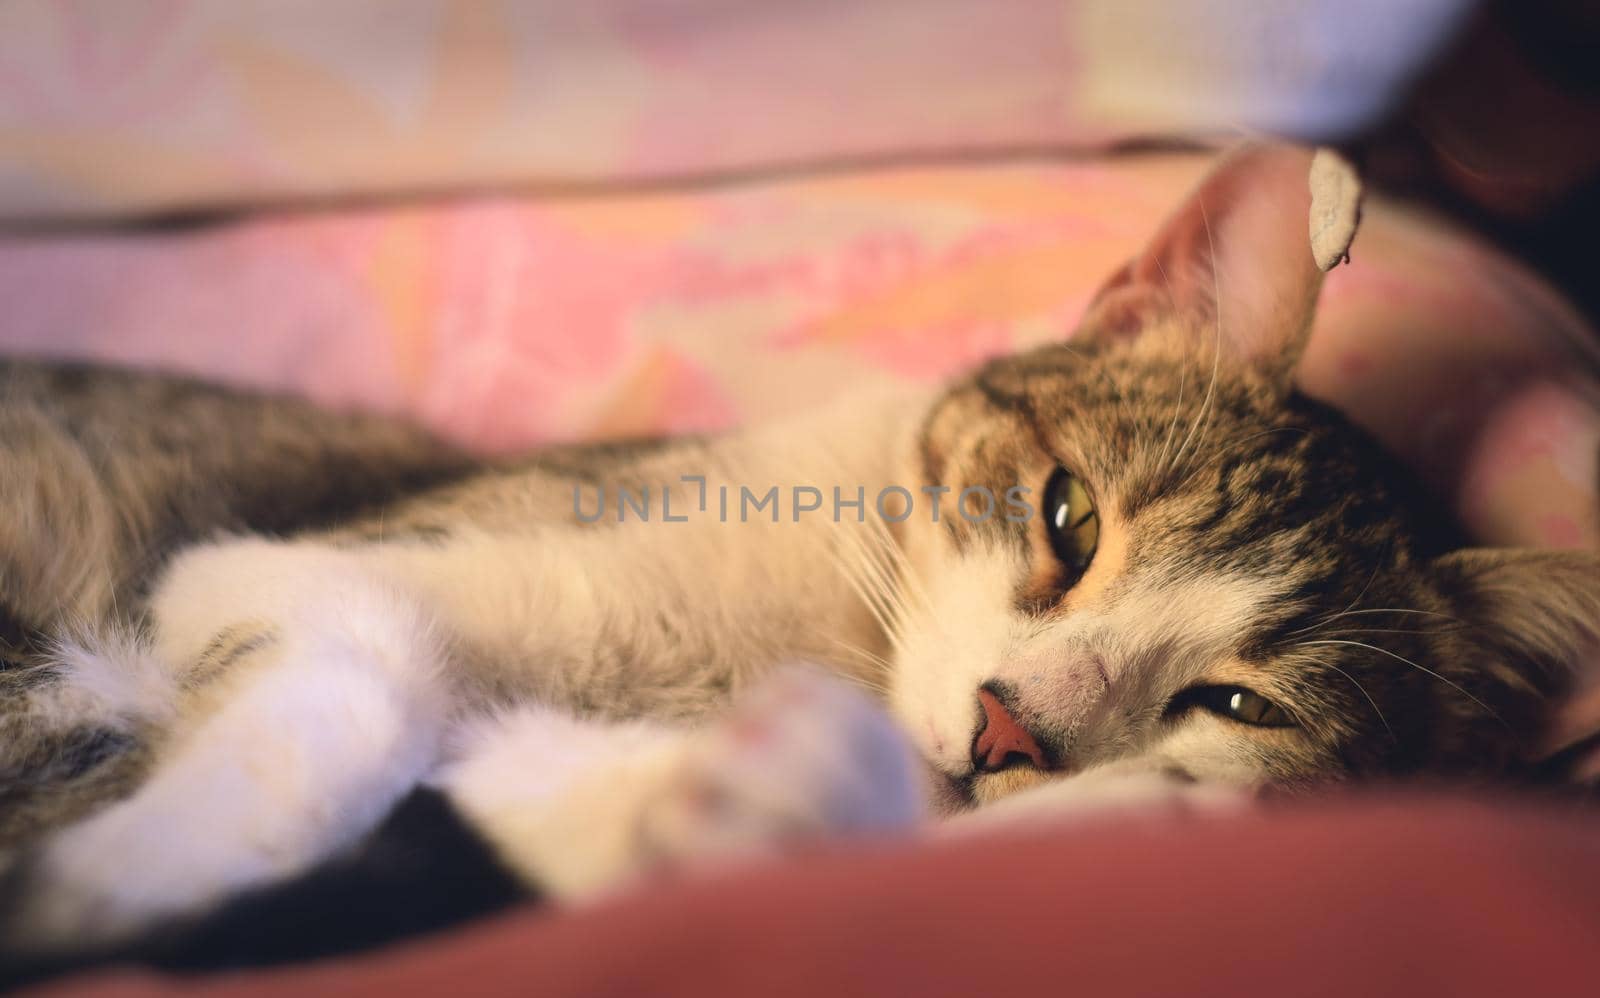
{"points": [[950, 795], [947, 794], [986, 788]]}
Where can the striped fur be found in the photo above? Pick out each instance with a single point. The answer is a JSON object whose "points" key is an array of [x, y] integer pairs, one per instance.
{"points": [[227, 612]]}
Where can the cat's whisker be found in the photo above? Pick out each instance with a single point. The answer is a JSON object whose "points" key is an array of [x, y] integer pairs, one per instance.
{"points": [[870, 585], [857, 553], [111, 589], [1357, 684], [1400, 610], [1393, 609], [881, 665], [911, 582], [1162, 463], [876, 690], [1371, 578], [1375, 630], [863, 653], [879, 612], [870, 562], [874, 563], [1203, 415], [1377, 566], [898, 575], [1420, 668]]}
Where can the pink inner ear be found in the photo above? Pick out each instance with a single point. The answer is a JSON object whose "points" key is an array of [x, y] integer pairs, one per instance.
{"points": [[1124, 305], [1238, 253]]}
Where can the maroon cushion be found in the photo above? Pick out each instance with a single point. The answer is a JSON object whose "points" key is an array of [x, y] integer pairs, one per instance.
{"points": [[1354, 897]]}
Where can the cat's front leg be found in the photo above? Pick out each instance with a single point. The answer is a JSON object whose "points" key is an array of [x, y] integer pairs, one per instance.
{"points": [[581, 807], [308, 739]]}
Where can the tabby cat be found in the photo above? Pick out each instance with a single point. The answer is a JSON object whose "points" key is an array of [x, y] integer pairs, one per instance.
{"points": [[1133, 566]]}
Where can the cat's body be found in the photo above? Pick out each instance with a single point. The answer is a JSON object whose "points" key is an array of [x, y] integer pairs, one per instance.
{"points": [[1188, 580], [452, 607]]}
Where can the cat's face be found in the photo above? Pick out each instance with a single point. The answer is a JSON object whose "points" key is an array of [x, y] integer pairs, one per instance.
{"points": [[1221, 578]]}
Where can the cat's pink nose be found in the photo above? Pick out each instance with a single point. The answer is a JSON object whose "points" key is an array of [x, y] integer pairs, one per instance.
{"points": [[1002, 741]]}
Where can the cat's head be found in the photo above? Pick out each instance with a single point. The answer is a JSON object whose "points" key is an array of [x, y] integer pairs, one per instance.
{"points": [[1222, 577]]}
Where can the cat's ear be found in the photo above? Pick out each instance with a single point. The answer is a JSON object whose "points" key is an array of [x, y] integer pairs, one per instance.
{"points": [[1526, 623], [1233, 267]]}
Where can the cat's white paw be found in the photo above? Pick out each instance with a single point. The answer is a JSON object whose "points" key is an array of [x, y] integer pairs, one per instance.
{"points": [[318, 736], [801, 758], [581, 807]]}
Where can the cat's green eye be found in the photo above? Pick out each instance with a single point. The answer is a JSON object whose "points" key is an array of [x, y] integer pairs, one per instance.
{"points": [[1071, 521], [1236, 704]]}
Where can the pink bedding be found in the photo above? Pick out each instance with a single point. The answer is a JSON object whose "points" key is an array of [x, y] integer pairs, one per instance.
{"points": [[124, 107], [505, 322], [1377, 896]]}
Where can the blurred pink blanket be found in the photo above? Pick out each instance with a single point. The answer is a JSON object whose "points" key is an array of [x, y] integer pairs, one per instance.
{"points": [[506, 322], [120, 107]]}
